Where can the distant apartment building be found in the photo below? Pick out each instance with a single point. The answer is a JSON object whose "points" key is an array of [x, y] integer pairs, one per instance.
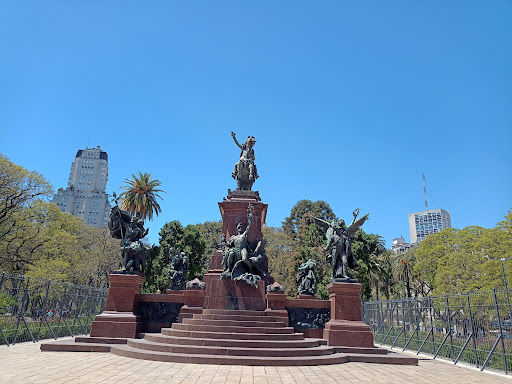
{"points": [[428, 222], [400, 246], [85, 195]]}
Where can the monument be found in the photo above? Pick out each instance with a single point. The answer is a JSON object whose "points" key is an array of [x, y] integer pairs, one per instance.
{"points": [[237, 314]]}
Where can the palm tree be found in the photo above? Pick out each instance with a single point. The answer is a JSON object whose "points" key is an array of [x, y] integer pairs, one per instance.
{"points": [[376, 273], [140, 195], [403, 269]]}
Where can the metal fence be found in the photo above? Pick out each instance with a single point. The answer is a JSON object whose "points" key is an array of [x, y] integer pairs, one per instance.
{"points": [[474, 327], [35, 309]]}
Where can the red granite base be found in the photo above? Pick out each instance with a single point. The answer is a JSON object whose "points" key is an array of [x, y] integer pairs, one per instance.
{"points": [[118, 319], [348, 334], [122, 291], [115, 324], [346, 327], [229, 294]]}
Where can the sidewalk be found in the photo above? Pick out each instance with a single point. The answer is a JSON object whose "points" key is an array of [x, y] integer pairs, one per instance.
{"points": [[25, 363]]}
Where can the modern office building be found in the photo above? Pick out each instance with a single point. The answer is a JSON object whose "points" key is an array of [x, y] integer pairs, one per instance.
{"points": [[85, 195], [428, 222]]}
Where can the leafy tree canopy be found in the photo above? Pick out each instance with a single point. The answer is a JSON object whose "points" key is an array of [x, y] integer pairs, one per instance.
{"points": [[318, 208], [18, 189], [211, 232], [174, 236]]}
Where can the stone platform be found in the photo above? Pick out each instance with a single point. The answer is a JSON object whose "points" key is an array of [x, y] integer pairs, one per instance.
{"points": [[232, 337]]}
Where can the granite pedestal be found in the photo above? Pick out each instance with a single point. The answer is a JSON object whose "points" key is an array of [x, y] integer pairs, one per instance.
{"points": [[346, 327], [118, 319]]}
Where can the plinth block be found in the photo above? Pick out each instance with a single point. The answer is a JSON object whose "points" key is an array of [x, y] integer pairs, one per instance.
{"points": [[346, 327], [194, 297], [276, 300], [276, 304], [348, 334], [345, 301], [115, 324], [123, 288], [118, 319], [230, 294]]}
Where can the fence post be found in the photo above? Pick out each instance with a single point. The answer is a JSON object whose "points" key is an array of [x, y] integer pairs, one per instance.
{"points": [[450, 327], [418, 320], [473, 331], [1, 330], [501, 330], [432, 324], [403, 320], [506, 289]]}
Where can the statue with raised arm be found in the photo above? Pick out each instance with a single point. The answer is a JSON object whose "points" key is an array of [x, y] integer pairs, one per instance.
{"points": [[245, 172], [236, 247], [338, 248]]}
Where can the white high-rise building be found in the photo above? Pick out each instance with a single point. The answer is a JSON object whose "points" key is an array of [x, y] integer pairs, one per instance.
{"points": [[85, 195], [428, 222]]}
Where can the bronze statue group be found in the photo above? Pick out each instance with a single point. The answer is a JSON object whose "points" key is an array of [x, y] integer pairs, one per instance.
{"points": [[241, 260]]}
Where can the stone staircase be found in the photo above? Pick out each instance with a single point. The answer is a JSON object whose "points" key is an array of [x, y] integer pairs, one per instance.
{"points": [[242, 337]]}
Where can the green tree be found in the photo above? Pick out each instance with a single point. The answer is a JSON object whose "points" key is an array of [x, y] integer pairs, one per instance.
{"points": [[403, 270], [279, 248], [506, 224], [174, 236], [318, 208], [19, 188], [140, 196], [309, 242], [428, 254], [99, 255], [454, 261], [211, 232], [368, 249]]}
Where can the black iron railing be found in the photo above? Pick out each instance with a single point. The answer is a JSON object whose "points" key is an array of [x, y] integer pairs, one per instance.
{"points": [[33, 309], [473, 327]]}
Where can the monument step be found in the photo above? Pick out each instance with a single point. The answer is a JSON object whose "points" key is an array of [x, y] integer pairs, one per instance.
{"points": [[388, 358], [230, 351], [100, 340], [242, 312], [362, 350], [305, 343], [72, 346], [230, 329], [265, 319], [234, 323], [232, 335], [127, 351]]}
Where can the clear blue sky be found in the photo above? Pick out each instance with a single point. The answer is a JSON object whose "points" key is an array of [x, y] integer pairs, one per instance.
{"points": [[350, 101]]}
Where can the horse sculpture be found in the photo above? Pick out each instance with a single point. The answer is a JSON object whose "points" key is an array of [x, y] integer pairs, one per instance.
{"points": [[245, 172]]}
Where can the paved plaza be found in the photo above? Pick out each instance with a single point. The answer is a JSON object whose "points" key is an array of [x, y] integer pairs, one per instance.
{"points": [[25, 363]]}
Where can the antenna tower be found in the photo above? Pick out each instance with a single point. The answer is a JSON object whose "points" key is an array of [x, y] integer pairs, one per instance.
{"points": [[89, 139], [425, 191]]}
